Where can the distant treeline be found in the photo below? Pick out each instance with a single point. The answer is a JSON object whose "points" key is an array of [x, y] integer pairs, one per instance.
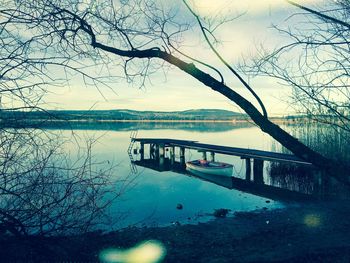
{"points": [[104, 119], [196, 120], [116, 115], [134, 125]]}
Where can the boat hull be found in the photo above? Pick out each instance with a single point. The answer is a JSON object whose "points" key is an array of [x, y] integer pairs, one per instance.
{"points": [[215, 168]]}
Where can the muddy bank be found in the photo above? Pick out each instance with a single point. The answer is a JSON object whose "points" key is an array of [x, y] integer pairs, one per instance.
{"points": [[310, 233]]}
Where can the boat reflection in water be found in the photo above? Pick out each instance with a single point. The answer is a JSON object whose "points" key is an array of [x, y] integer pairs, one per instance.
{"points": [[224, 181]]}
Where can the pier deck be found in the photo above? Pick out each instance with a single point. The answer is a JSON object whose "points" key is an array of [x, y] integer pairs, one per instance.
{"points": [[244, 153]]}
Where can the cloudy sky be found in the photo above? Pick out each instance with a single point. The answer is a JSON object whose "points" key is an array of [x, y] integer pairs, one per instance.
{"points": [[177, 91]]}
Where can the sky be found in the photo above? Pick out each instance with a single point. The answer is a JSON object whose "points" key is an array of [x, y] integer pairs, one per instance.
{"points": [[175, 90]]}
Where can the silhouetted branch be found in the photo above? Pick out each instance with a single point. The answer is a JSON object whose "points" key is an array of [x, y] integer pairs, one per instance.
{"points": [[246, 85]]}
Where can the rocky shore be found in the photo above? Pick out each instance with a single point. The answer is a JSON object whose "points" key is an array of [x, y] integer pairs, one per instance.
{"points": [[308, 233]]}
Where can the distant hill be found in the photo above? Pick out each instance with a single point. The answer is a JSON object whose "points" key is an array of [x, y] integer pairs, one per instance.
{"points": [[118, 115]]}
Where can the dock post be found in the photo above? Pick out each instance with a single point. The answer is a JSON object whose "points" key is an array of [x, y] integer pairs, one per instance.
{"points": [[142, 151], [212, 156], [204, 155], [182, 155], [248, 169], [156, 155], [161, 154], [258, 168], [151, 151], [172, 155]]}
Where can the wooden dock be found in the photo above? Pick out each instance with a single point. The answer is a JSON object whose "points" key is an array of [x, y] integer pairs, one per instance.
{"points": [[169, 155], [244, 153], [158, 147]]}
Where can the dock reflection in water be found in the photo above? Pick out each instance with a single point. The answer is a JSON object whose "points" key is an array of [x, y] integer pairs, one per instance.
{"points": [[245, 185], [278, 183]]}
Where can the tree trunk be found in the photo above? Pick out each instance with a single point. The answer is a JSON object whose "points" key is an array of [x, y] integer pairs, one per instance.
{"points": [[332, 167]]}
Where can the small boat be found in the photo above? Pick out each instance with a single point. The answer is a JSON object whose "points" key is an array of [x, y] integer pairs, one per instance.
{"points": [[207, 167]]}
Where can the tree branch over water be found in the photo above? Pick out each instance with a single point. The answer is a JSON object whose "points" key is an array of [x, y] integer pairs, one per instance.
{"points": [[315, 62]]}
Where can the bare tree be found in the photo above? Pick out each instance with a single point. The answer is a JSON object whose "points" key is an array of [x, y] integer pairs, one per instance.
{"points": [[43, 192], [315, 62], [137, 37]]}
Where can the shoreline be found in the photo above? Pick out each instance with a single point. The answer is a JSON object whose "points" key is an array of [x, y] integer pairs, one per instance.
{"points": [[93, 121], [318, 232]]}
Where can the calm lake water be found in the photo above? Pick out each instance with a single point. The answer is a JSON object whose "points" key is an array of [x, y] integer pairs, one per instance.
{"points": [[149, 197]]}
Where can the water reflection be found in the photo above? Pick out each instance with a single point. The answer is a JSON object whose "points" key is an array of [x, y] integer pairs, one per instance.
{"points": [[281, 180], [151, 197], [293, 177], [210, 126], [255, 187]]}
